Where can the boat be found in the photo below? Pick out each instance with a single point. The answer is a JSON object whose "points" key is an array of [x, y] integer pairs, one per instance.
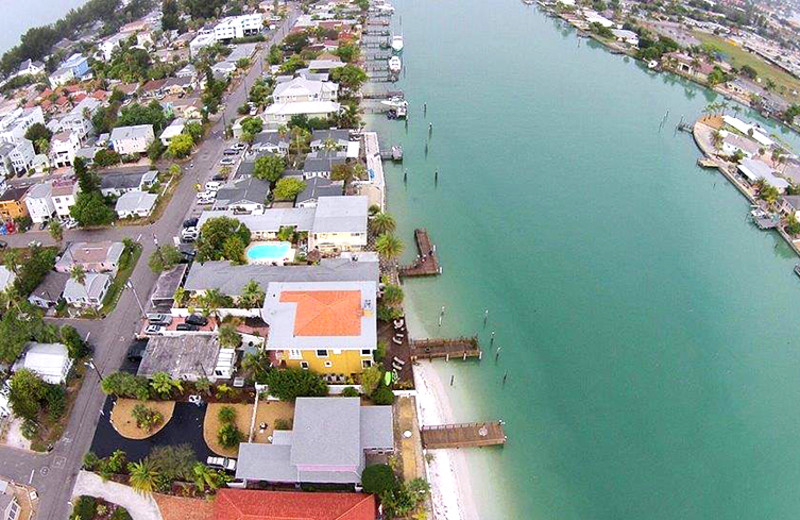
{"points": [[398, 107], [397, 43], [527, 2], [797, 269], [652, 64], [395, 65]]}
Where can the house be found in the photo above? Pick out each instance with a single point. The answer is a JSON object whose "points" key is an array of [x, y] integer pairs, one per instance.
{"points": [[179, 85], [30, 67], [93, 257], [186, 107], [63, 148], [754, 169], [188, 357], [238, 27], [188, 72], [246, 195], [231, 279], [135, 204], [250, 504], [327, 444], [50, 361], [328, 327], [340, 224], [49, 291], [303, 90], [271, 142], [15, 124], [127, 140], [12, 203], [175, 128], [317, 187], [200, 42], [88, 294], [113, 42], [330, 140], [223, 68], [75, 67], [280, 113], [64, 193], [9, 507], [732, 143], [628, 37], [16, 157], [40, 202], [79, 119], [321, 163], [152, 89], [753, 131], [7, 278], [122, 181]]}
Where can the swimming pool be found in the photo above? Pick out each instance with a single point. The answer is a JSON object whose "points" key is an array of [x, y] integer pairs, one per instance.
{"points": [[268, 252]]}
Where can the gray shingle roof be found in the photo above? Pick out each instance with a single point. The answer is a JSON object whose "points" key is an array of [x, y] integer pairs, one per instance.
{"points": [[326, 432], [246, 190], [323, 161], [131, 132], [317, 187], [341, 215], [93, 287]]}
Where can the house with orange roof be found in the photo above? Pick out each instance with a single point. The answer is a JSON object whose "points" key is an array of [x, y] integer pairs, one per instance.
{"points": [[244, 504], [327, 327]]}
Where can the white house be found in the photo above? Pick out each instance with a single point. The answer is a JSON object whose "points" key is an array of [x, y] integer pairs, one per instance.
{"points": [[78, 120], [14, 125], [88, 294], [75, 67], [30, 67], [128, 140], [280, 113], [50, 361], [301, 89], [63, 194], [239, 26], [175, 128], [39, 202], [200, 42], [16, 157], [135, 204], [63, 147], [107, 46]]}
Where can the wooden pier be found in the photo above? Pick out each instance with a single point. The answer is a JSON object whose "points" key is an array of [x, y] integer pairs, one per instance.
{"points": [[427, 263], [464, 435], [455, 348]]}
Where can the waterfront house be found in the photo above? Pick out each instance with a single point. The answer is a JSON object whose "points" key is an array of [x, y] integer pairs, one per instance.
{"points": [[754, 169], [328, 327], [330, 140], [30, 67], [625, 36], [89, 293], [49, 291], [250, 504], [317, 187], [49, 361], [12, 203], [303, 90], [93, 257], [325, 65], [328, 444], [135, 204], [340, 224], [75, 67], [732, 143], [246, 195], [754, 132], [128, 140], [280, 113], [40, 202]]}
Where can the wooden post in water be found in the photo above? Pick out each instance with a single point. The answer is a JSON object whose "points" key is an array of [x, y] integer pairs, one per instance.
{"points": [[485, 317], [441, 315], [491, 341], [425, 109], [505, 376], [452, 380]]}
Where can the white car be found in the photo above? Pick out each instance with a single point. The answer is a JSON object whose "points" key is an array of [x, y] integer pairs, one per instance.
{"points": [[213, 186], [227, 161], [225, 463], [207, 194], [190, 234], [154, 330]]}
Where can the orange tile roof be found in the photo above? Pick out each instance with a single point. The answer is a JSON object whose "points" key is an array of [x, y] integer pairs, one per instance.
{"points": [[241, 504], [326, 313]]}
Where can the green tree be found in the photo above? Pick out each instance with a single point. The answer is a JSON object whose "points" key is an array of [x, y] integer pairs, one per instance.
{"points": [[227, 414], [36, 132], [792, 224], [228, 337], [292, 65], [78, 273], [163, 384], [143, 476], [382, 223], [388, 246], [342, 172], [125, 384], [252, 295], [90, 209], [268, 168], [233, 249], [291, 383], [207, 478], [378, 479], [164, 258], [213, 235], [155, 150], [288, 188], [170, 19], [174, 462], [180, 146], [56, 230], [136, 114], [213, 300], [76, 347], [392, 294], [275, 55], [195, 130], [371, 378], [27, 394], [229, 436], [252, 125], [348, 52], [350, 77]]}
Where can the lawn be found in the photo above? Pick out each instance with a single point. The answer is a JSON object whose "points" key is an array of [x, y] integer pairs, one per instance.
{"points": [[126, 265], [738, 57]]}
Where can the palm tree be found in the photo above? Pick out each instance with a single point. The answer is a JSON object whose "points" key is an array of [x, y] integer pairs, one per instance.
{"points": [[212, 300], [329, 145], [716, 139], [78, 273], [143, 476], [388, 246], [252, 295], [11, 260], [163, 384], [382, 223], [205, 477]]}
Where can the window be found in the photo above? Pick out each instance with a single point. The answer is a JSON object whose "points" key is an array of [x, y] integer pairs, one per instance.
{"points": [[304, 365], [366, 363], [366, 352], [337, 351], [328, 364], [295, 354], [322, 353]]}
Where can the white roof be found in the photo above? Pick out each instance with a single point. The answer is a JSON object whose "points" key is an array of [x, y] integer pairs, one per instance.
{"points": [[47, 360], [343, 214], [135, 200], [93, 286], [172, 130], [747, 128], [6, 278], [131, 132], [302, 107], [754, 169], [303, 87]]}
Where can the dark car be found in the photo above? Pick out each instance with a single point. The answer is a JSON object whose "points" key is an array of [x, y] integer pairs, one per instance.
{"points": [[136, 351], [191, 222], [194, 319], [3, 244], [187, 327], [43, 225]]}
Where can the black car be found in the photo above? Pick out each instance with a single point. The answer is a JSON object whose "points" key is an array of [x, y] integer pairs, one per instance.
{"points": [[3, 244], [136, 351], [187, 327], [191, 222], [43, 225], [194, 319]]}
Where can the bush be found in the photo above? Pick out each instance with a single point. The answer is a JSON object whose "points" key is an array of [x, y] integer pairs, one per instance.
{"points": [[283, 424], [173, 462], [229, 436], [120, 513], [227, 414], [383, 395], [350, 392], [29, 429], [85, 508], [289, 384], [90, 460], [378, 479], [146, 418]]}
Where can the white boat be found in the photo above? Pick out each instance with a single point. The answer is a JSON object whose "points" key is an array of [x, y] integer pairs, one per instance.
{"points": [[395, 64], [397, 43]]}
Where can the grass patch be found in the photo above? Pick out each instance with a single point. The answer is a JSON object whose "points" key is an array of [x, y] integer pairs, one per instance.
{"points": [[126, 265], [737, 56]]}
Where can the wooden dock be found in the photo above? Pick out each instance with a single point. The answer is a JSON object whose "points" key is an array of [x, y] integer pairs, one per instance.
{"points": [[464, 435], [427, 263], [455, 348]]}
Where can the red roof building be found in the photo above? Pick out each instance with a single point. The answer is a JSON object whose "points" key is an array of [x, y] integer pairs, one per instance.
{"points": [[244, 504]]}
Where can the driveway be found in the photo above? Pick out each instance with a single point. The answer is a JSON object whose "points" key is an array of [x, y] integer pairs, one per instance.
{"points": [[140, 506]]}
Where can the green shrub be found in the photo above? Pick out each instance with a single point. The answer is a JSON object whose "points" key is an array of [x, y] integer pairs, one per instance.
{"points": [[227, 414], [229, 436], [378, 479], [383, 395], [120, 513], [283, 424], [85, 508], [146, 418], [289, 384], [90, 461], [29, 429], [350, 392]]}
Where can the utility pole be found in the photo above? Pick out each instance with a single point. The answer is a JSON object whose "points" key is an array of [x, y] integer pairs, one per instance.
{"points": [[129, 285], [94, 367]]}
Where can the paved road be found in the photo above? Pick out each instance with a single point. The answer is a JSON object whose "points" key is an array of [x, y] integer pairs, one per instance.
{"points": [[54, 474]]}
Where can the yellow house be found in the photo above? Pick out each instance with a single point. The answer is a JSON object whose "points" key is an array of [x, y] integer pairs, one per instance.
{"points": [[12, 203], [327, 327]]}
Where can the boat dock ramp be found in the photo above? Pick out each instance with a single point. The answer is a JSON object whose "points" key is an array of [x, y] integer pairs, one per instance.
{"points": [[427, 263], [439, 348], [464, 435]]}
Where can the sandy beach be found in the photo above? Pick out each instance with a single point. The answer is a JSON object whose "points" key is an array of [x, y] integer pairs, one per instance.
{"points": [[447, 470]]}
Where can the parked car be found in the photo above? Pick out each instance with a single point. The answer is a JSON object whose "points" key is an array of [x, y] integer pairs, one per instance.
{"points": [[213, 186], [44, 225], [159, 319], [231, 151], [189, 234], [3, 244], [239, 146], [196, 319], [186, 327], [154, 330], [227, 161], [219, 178], [190, 222], [70, 223], [226, 463], [207, 194]]}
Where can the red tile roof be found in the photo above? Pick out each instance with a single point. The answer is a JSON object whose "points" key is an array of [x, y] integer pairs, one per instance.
{"points": [[241, 504], [325, 313]]}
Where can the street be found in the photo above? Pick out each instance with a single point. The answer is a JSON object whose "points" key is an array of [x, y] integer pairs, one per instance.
{"points": [[54, 474]]}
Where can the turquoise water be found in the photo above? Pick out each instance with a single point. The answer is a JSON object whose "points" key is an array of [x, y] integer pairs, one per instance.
{"points": [[268, 251], [21, 15], [649, 332]]}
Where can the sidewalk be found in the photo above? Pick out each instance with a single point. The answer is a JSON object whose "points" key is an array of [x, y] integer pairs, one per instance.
{"points": [[140, 506]]}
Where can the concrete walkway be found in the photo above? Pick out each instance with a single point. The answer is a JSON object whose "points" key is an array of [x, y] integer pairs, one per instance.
{"points": [[140, 506]]}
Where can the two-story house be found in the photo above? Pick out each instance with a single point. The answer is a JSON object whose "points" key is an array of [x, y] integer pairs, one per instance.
{"points": [[127, 140]]}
